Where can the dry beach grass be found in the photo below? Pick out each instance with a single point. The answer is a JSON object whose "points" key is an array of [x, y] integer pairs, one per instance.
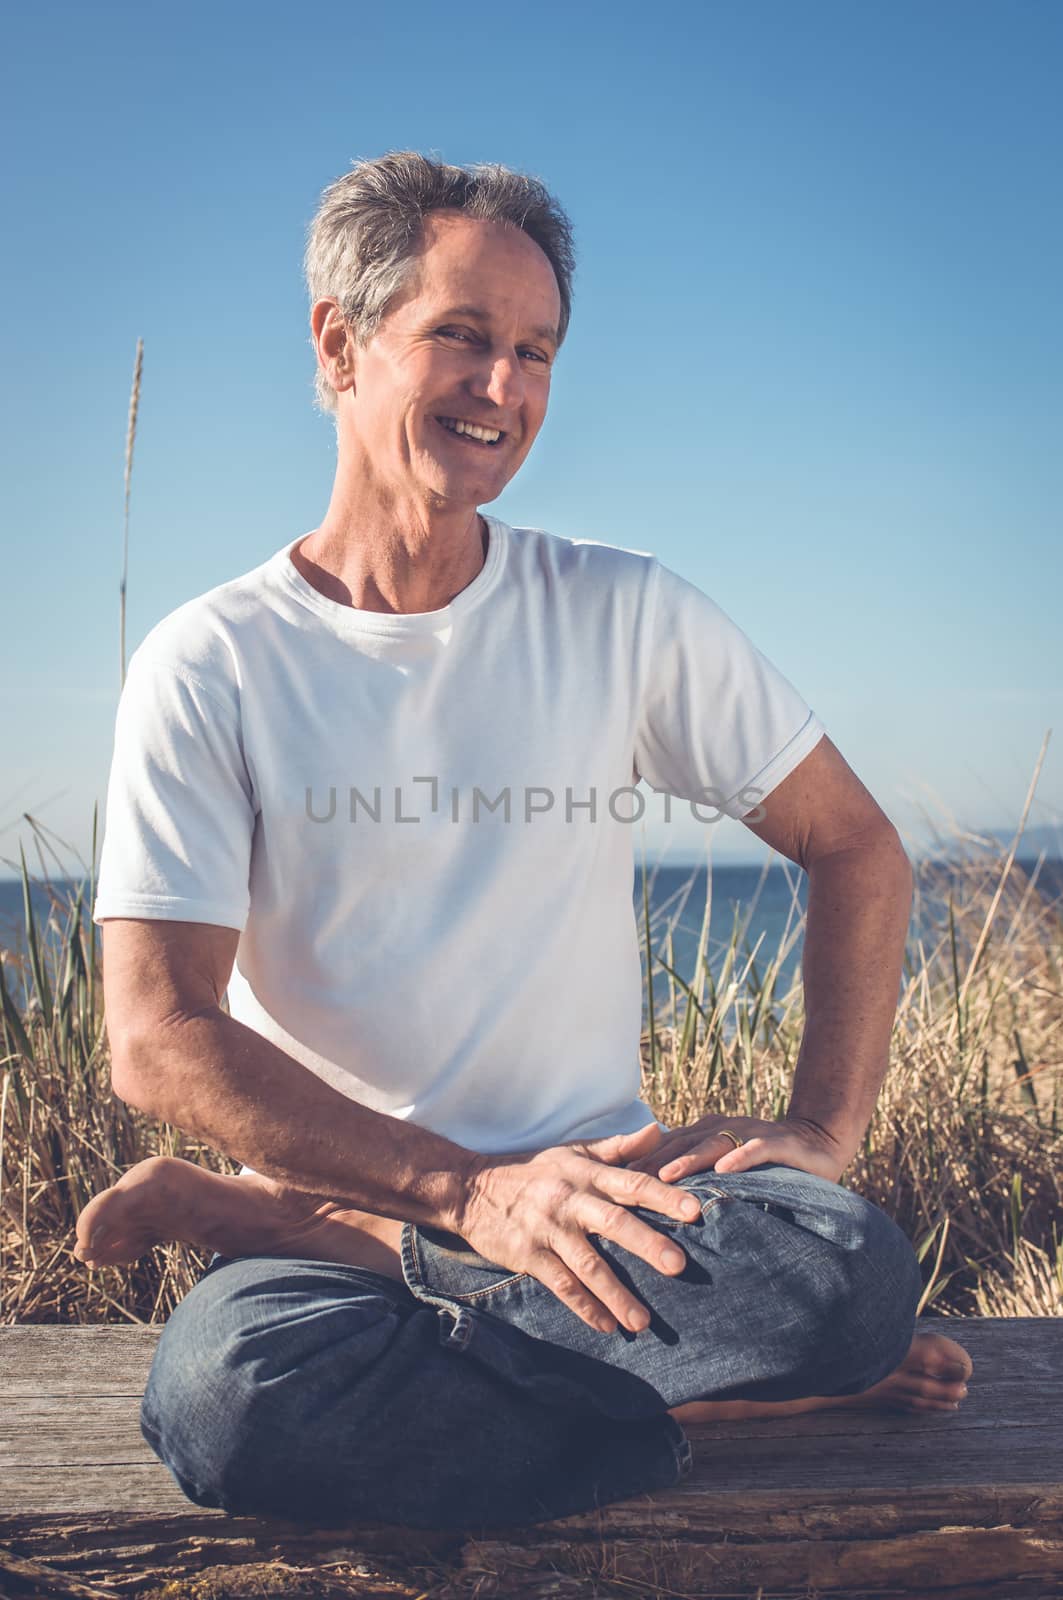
{"points": [[964, 1148]]}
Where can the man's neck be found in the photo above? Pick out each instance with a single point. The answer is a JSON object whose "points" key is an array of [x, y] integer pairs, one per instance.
{"points": [[395, 565]]}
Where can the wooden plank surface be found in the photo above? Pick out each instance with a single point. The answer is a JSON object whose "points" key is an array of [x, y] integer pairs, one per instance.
{"points": [[42, 1359], [1009, 1353], [70, 1440]]}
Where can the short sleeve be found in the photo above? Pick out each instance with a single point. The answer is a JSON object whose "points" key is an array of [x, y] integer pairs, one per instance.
{"points": [[180, 811], [717, 721]]}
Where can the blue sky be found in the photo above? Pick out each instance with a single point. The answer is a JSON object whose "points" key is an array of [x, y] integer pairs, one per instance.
{"points": [[814, 364]]}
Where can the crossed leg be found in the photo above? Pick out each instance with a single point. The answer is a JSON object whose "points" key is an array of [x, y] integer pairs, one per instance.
{"points": [[165, 1198]]}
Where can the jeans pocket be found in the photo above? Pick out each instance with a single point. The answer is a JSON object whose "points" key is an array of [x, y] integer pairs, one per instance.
{"points": [[441, 1268], [514, 1325]]}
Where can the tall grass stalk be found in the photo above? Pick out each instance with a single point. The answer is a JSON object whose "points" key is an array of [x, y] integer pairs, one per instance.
{"points": [[130, 439]]}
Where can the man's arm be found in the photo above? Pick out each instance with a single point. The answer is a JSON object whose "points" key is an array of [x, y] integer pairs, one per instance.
{"points": [[177, 1056], [859, 904]]}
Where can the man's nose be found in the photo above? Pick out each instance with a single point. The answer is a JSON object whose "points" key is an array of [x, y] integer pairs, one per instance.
{"points": [[503, 380]]}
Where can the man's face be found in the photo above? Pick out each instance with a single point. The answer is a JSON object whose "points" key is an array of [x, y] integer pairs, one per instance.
{"points": [[470, 338]]}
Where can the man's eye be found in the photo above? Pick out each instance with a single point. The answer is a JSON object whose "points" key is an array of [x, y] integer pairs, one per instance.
{"points": [[537, 354], [454, 333]]}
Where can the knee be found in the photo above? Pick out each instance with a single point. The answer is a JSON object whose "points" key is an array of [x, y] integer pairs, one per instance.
{"points": [[237, 1369], [855, 1283], [194, 1405], [873, 1318], [891, 1268], [855, 1254]]}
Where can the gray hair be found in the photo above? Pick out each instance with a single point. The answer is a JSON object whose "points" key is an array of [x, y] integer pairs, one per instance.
{"points": [[369, 228]]}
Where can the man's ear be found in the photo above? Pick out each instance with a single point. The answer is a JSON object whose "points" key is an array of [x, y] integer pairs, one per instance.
{"points": [[334, 342]]}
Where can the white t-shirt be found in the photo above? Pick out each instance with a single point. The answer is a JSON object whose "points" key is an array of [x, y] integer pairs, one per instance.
{"points": [[331, 782]]}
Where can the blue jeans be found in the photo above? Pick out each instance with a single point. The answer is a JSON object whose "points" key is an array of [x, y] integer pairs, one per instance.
{"points": [[469, 1397]]}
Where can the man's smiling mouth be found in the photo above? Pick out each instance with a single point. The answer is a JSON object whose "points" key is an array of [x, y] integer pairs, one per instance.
{"points": [[472, 432]]}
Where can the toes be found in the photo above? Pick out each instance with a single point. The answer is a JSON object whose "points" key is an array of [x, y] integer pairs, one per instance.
{"points": [[959, 1365], [941, 1357], [87, 1220], [949, 1372], [101, 1219], [109, 1251], [943, 1391], [92, 1241], [929, 1391], [943, 1378], [95, 1257]]}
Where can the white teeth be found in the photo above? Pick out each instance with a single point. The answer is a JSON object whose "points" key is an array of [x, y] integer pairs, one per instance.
{"points": [[457, 426]]}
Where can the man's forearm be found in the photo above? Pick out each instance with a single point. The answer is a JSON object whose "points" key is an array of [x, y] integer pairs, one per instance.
{"points": [[221, 1081], [859, 905]]}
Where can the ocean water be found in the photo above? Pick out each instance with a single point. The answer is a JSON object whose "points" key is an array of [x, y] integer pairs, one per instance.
{"points": [[764, 904]]}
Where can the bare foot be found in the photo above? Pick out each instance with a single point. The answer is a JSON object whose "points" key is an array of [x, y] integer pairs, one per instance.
{"points": [[932, 1377], [165, 1198]]}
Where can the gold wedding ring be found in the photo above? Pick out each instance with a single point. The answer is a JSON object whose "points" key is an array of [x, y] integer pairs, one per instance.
{"points": [[727, 1134]]}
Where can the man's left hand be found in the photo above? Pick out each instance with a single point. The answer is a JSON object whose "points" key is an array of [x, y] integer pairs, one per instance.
{"points": [[702, 1148]]}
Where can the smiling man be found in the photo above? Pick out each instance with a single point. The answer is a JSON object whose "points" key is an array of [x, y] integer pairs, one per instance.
{"points": [[438, 412], [377, 793]]}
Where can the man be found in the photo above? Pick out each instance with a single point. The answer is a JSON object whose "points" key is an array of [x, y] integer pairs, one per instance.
{"points": [[376, 790]]}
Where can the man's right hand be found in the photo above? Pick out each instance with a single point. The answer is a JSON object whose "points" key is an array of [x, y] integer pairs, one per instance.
{"points": [[531, 1211]]}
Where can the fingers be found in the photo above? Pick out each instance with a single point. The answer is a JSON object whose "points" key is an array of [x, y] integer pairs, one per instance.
{"points": [[613, 1222], [706, 1152], [537, 1220], [591, 1288], [567, 1283], [661, 1160], [704, 1157], [702, 1146], [641, 1135], [616, 1147], [633, 1188]]}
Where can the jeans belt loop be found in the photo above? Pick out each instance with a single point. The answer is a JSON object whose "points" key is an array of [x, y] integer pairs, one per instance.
{"points": [[460, 1331]]}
